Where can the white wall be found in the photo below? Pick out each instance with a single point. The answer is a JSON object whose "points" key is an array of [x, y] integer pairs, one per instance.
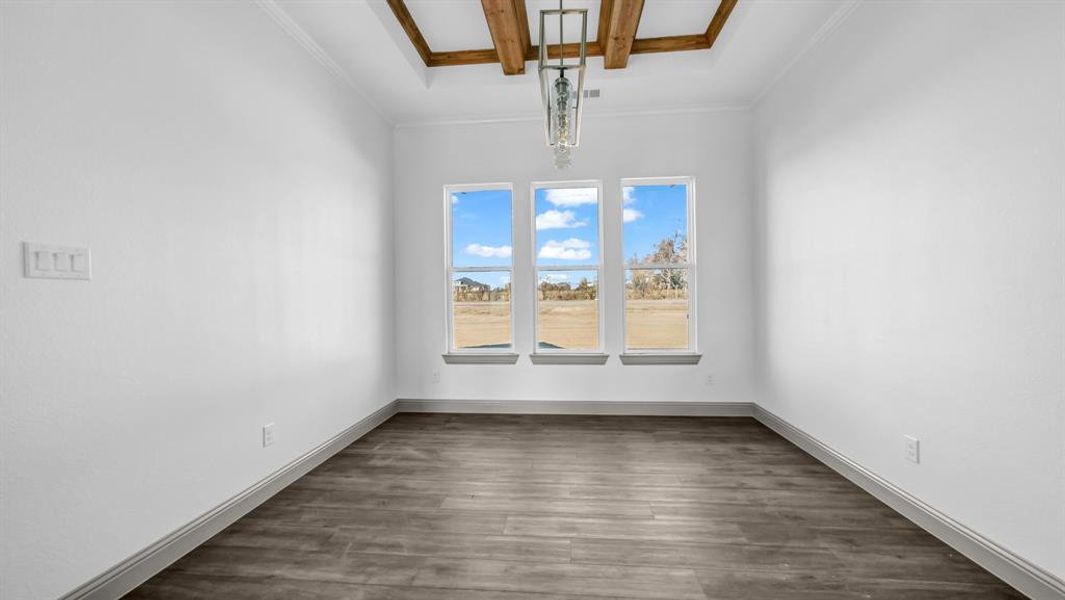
{"points": [[912, 187], [236, 200], [714, 147]]}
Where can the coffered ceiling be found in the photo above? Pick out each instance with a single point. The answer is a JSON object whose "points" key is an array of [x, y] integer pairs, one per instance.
{"points": [[365, 42], [611, 32]]}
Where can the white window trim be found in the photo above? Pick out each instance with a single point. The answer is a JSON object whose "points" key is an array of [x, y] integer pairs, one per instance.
{"points": [[689, 355], [584, 355], [474, 355]]}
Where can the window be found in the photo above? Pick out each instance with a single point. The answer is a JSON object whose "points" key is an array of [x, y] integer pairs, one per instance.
{"points": [[659, 258], [568, 267], [479, 268]]}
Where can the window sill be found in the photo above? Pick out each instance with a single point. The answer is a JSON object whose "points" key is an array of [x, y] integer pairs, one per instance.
{"points": [[664, 358], [481, 358], [566, 358]]}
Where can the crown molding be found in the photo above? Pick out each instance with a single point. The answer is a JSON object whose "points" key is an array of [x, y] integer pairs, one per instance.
{"points": [[536, 118], [834, 21], [838, 17], [308, 43]]}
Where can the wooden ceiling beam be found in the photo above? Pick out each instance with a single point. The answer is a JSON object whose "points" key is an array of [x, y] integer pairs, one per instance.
{"points": [[463, 57], [673, 43], [571, 50], [523, 29], [605, 8], [718, 22], [509, 26], [407, 23], [624, 20]]}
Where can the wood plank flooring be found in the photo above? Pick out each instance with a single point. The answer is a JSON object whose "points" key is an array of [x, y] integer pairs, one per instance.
{"points": [[531, 507]]}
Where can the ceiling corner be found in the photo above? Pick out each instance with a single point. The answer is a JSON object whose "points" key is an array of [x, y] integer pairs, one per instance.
{"points": [[308, 43], [395, 31]]}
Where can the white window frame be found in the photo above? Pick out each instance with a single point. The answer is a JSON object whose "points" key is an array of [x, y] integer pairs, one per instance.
{"points": [[487, 354], [597, 267], [679, 355]]}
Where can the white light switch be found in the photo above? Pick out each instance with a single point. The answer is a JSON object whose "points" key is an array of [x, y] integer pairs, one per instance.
{"points": [[45, 261]]}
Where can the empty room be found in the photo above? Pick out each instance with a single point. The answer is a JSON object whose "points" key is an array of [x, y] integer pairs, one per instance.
{"points": [[532, 299]]}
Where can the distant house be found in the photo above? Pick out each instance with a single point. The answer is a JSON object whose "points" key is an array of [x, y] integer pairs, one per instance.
{"points": [[465, 285]]}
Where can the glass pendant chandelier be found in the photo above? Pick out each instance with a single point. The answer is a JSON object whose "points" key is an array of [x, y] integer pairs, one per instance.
{"points": [[562, 87]]}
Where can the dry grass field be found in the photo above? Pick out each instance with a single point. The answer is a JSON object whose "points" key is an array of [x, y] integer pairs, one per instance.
{"points": [[569, 324], [572, 324], [479, 324], [651, 324]]}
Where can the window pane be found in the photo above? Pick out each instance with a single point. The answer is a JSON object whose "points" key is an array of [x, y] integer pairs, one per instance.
{"points": [[656, 223], [567, 226], [656, 309], [480, 228], [567, 310], [481, 309]]}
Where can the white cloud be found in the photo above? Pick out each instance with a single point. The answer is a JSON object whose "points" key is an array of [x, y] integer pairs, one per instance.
{"points": [[571, 249], [628, 195], [558, 219], [572, 197], [488, 251], [554, 278], [631, 214], [454, 199]]}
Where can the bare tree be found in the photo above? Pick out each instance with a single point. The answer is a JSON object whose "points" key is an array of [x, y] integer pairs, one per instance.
{"points": [[661, 282]]}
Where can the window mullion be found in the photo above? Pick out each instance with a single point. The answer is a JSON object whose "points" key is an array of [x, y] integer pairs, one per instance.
{"points": [[480, 269]]}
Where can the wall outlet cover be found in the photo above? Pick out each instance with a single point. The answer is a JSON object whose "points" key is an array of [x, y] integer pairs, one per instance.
{"points": [[268, 434], [913, 448]]}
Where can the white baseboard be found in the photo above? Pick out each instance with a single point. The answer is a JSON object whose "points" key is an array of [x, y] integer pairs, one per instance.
{"points": [[135, 570], [1030, 579], [1026, 577], [569, 407]]}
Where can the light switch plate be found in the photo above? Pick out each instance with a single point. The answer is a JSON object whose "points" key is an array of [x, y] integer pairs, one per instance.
{"points": [[46, 261]]}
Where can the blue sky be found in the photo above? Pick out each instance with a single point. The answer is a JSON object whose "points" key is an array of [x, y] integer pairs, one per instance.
{"points": [[480, 226], [651, 213], [567, 226]]}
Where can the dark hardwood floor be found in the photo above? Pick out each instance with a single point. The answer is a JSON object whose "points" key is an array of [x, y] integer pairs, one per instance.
{"points": [[523, 507]]}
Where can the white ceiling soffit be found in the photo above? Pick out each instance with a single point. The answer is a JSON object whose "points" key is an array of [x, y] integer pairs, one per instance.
{"points": [[533, 8], [761, 39], [451, 24]]}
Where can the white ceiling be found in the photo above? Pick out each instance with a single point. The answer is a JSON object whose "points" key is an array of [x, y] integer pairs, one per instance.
{"points": [[760, 40]]}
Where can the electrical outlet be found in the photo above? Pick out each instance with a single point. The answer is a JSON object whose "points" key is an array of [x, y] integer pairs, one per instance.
{"points": [[709, 380], [913, 448], [268, 434], [436, 376]]}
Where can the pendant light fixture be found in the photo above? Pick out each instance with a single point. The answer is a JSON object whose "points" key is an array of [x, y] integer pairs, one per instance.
{"points": [[562, 86]]}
